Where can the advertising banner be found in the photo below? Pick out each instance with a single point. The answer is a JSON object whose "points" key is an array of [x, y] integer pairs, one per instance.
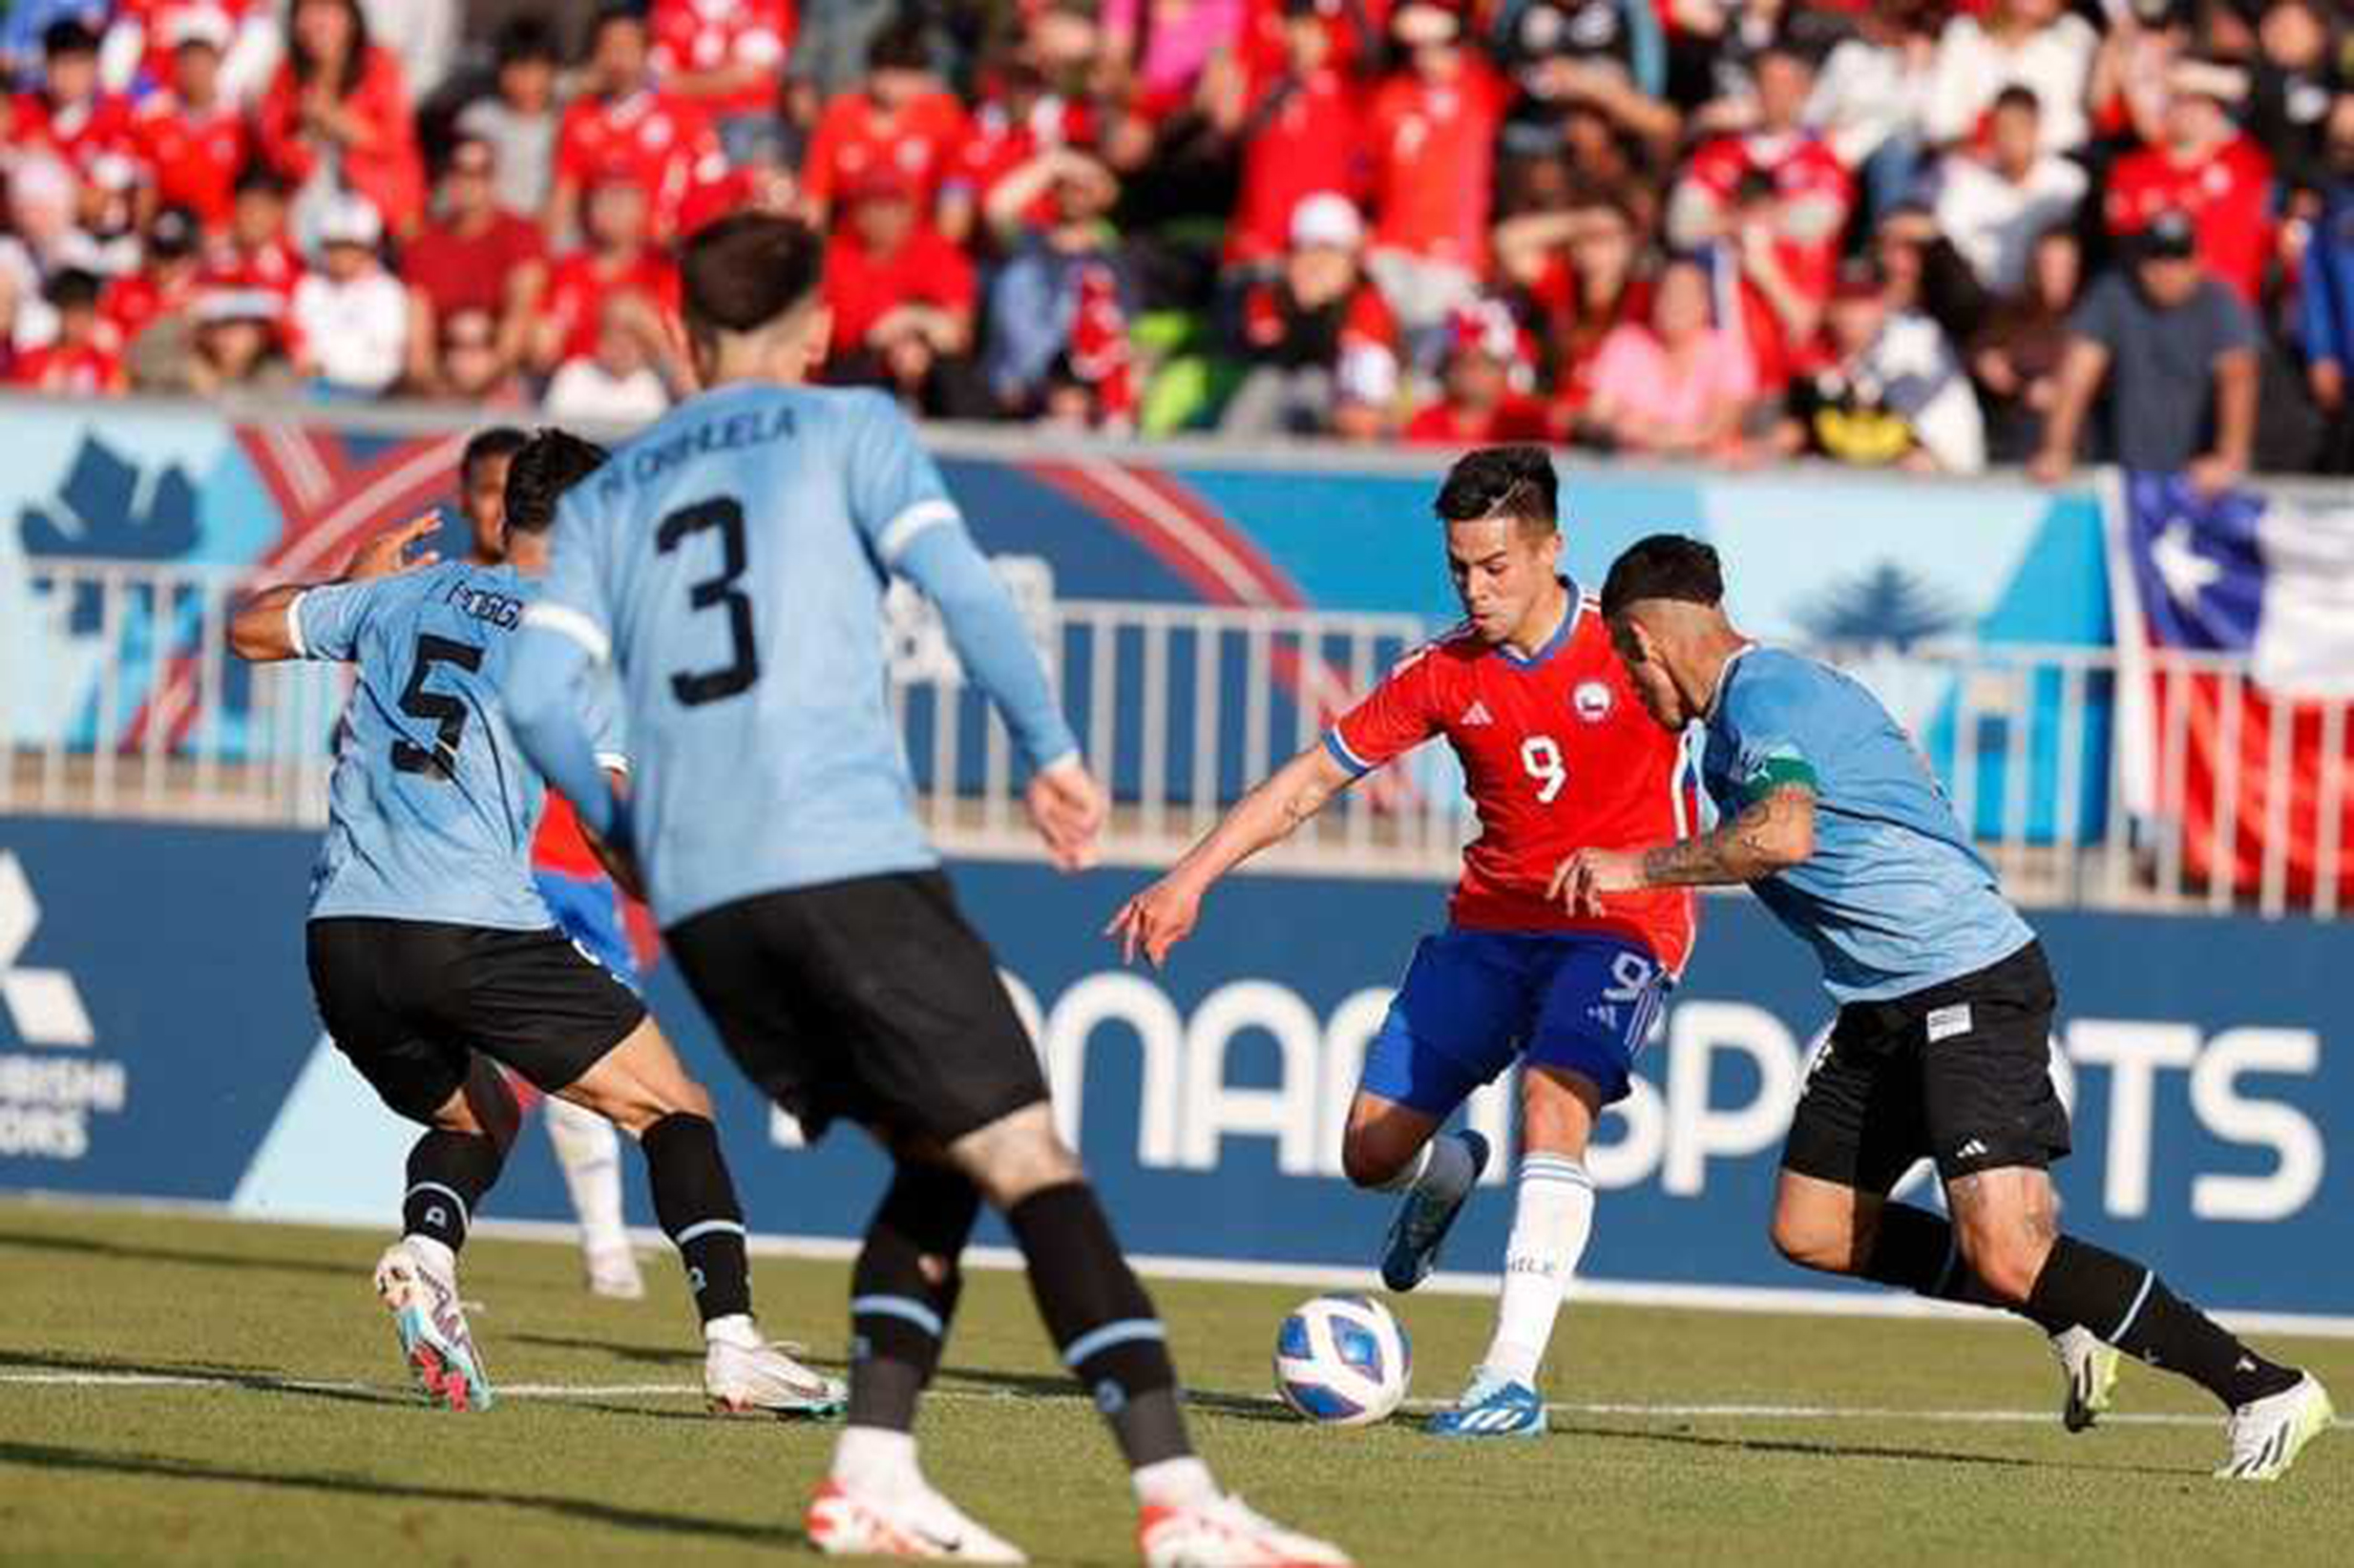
{"points": [[157, 1039]]}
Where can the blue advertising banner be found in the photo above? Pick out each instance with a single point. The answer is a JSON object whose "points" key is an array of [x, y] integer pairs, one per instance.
{"points": [[157, 1039]]}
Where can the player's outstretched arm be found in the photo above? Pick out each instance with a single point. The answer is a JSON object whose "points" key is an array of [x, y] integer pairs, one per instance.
{"points": [[541, 694], [265, 627], [1772, 833], [1163, 914]]}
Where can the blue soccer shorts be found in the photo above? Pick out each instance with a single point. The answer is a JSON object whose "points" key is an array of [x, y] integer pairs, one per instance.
{"points": [[589, 910], [1473, 1001]]}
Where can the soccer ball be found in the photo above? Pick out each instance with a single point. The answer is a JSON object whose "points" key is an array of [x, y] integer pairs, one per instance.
{"points": [[1342, 1360]]}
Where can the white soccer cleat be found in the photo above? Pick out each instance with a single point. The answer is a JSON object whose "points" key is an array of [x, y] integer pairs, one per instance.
{"points": [[2090, 1367], [763, 1380], [920, 1523], [2267, 1435], [432, 1324], [613, 1273], [1226, 1533]]}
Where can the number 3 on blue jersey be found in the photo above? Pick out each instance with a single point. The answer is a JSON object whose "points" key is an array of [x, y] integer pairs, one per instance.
{"points": [[725, 514]]}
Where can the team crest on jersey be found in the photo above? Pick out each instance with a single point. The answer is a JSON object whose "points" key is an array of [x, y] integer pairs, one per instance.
{"points": [[1592, 700]]}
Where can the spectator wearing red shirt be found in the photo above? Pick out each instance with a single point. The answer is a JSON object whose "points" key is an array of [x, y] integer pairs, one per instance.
{"points": [[619, 258], [1575, 273], [339, 104], [1302, 132], [473, 256], [192, 141], [69, 115], [1023, 113], [623, 127], [2206, 169], [142, 40], [81, 361], [1298, 326], [1481, 405], [727, 55], [900, 116], [1809, 190], [902, 299], [1433, 138], [1353, 30]]}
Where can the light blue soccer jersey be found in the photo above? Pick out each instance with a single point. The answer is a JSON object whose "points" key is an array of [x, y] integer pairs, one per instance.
{"points": [[1895, 898], [731, 561], [431, 807]]}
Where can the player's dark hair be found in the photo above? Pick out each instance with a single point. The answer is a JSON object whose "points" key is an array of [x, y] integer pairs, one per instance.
{"points": [[65, 38], [306, 67], [2019, 97], [488, 445], [615, 13], [748, 270], [74, 289], [524, 38], [547, 464], [1515, 482], [1664, 566]]}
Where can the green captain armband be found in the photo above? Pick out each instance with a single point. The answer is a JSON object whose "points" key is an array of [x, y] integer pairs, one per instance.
{"points": [[1781, 767]]}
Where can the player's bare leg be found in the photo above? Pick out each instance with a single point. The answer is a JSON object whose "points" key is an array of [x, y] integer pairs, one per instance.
{"points": [[641, 1088], [1100, 1319], [1553, 1219], [1389, 1147], [449, 1168]]}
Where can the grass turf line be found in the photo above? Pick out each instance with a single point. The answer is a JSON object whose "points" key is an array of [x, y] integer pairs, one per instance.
{"points": [[354, 1469]]}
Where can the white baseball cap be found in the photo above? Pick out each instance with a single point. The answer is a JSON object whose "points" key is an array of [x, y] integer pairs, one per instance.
{"points": [[1327, 219], [350, 219]]}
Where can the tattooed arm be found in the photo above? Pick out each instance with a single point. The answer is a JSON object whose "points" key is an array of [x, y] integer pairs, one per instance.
{"points": [[1772, 833]]}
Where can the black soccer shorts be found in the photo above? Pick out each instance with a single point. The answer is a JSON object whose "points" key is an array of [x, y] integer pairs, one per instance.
{"points": [[1959, 1071], [870, 999], [409, 1001]]}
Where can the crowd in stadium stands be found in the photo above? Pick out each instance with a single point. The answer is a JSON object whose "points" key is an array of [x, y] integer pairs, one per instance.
{"points": [[1935, 234]]}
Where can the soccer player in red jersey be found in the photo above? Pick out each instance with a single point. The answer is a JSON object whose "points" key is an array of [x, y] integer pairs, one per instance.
{"points": [[1556, 752]]}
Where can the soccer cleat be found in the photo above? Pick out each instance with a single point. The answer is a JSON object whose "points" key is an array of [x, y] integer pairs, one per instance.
{"points": [[843, 1523], [613, 1273], [1491, 1406], [1423, 1224], [2267, 1435], [763, 1380], [432, 1324], [1225, 1533], [2090, 1368]]}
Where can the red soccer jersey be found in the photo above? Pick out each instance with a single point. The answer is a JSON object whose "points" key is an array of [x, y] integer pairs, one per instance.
{"points": [[70, 371], [696, 36], [1558, 755], [1445, 425], [1302, 136], [1434, 160], [156, 19], [861, 287], [921, 140], [560, 845], [1809, 182], [192, 157], [662, 144], [78, 133], [2227, 196], [581, 285]]}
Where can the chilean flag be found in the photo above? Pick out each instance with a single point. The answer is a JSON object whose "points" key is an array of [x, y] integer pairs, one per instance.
{"points": [[2236, 665]]}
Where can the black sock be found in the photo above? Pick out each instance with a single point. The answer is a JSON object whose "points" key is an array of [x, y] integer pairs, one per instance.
{"points": [[2129, 1306], [900, 1315], [1102, 1320], [694, 1200], [1914, 1250], [447, 1175]]}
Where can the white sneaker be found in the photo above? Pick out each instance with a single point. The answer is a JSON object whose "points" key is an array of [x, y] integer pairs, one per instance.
{"points": [[763, 1380], [920, 1523], [613, 1273], [1226, 1534], [2090, 1367], [432, 1324], [2267, 1435]]}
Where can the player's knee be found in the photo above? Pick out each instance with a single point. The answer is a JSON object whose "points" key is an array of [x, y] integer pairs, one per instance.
{"points": [[1369, 1160], [2006, 1258], [1015, 1156]]}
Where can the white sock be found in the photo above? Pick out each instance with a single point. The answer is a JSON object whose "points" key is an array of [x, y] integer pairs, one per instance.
{"points": [[1553, 1216], [435, 1255], [589, 1149], [1182, 1482], [737, 1329], [877, 1460], [1441, 1166]]}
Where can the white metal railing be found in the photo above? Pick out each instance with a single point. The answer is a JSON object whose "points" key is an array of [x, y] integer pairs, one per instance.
{"points": [[117, 698]]}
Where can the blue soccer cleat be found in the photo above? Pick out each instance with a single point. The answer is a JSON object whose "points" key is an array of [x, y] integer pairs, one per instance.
{"points": [[1491, 1408], [1424, 1222]]}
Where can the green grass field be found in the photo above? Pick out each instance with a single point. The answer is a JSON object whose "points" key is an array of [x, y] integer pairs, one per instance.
{"points": [[195, 1389]]}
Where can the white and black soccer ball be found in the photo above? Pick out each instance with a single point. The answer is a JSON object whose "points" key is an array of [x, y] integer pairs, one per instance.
{"points": [[1342, 1360]]}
